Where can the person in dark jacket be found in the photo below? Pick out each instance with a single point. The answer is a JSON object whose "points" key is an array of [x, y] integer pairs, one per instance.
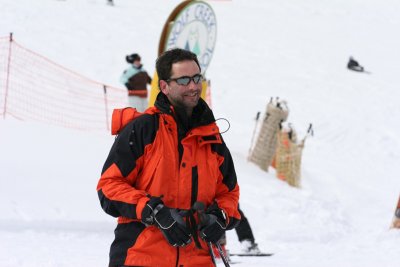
{"points": [[161, 165], [136, 78], [354, 65], [245, 236]]}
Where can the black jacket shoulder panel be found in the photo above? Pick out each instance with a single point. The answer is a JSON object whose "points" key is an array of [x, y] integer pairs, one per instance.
{"points": [[227, 167], [130, 143]]}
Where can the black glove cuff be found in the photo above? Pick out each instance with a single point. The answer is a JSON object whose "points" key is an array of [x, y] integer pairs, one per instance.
{"points": [[148, 212]]}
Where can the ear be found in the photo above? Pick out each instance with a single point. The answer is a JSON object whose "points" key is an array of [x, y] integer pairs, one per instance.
{"points": [[164, 87]]}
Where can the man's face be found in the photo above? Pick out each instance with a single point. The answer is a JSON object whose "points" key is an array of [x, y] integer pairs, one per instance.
{"points": [[185, 96]]}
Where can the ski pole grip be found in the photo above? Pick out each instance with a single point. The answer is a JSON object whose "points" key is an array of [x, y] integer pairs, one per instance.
{"points": [[203, 218], [200, 207]]}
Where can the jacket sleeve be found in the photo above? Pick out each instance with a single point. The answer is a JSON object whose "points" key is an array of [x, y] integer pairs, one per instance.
{"points": [[116, 191], [227, 196]]}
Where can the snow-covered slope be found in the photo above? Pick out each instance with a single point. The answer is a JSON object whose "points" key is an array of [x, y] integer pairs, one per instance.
{"points": [[295, 50]]}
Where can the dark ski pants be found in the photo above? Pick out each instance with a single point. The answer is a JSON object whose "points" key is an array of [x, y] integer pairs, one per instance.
{"points": [[243, 230]]}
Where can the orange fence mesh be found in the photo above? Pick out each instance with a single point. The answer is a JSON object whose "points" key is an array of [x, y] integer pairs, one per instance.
{"points": [[287, 161], [33, 87]]}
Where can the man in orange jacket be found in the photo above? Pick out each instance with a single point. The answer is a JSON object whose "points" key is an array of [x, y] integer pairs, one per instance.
{"points": [[160, 165]]}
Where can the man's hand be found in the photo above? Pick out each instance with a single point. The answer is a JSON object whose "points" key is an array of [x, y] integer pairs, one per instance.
{"points": [[213, 226], [168, 221]]}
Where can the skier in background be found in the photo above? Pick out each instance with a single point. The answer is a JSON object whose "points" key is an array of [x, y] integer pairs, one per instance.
{"points": [[354, 65], [245, 236], [135, 78]]}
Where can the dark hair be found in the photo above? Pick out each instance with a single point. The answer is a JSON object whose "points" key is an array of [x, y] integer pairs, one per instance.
{"points": [[132, 58], [169, 57]]}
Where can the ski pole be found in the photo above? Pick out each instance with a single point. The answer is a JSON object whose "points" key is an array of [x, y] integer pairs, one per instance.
{"points": [[254, 133], [210, 250], [223, 256]]}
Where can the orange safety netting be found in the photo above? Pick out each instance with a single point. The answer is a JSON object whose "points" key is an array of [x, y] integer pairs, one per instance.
{"points": [[33, 87], [287, 161]]}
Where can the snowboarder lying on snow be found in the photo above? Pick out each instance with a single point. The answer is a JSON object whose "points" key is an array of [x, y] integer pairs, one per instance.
{"points": [[353, 65]]}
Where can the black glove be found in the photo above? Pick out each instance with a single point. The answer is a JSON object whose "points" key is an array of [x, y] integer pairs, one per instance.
{"points": [[168, 221], [213, 225]]}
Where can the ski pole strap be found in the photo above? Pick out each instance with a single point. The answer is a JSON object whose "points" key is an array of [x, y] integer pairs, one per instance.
{"points": [[193, 229], [191, 225]]}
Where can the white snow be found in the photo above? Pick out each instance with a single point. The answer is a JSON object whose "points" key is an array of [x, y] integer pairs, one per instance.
{"points": [[297, 50]]}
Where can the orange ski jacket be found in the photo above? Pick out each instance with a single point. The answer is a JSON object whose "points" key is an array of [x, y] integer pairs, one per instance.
{"points": [[153, 155]]}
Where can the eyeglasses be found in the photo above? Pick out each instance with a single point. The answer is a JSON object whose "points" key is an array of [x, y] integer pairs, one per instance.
{"points": [[185, 80]]}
